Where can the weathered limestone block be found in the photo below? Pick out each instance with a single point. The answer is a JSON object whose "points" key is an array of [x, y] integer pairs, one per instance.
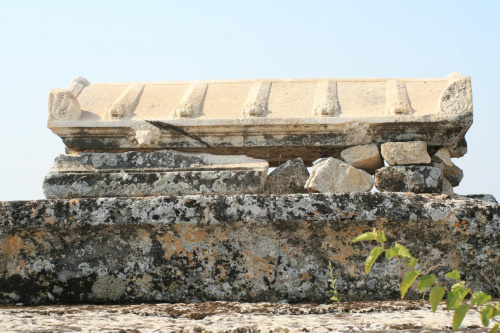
{"points": [[237, 248], [405, 153], [288, 178], [366, 157], [272, 119], [413, 178], [335, 176], [135, 174]]}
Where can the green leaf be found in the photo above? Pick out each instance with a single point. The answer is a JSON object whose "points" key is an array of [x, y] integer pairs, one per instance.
{"points": [[402, 251], [425, 282], [367, 236], [494, 329], [372, 257], [409, 278], [459, 315], [435, 296], [391, 253], [486, 313], [451, 299], [411, 262], [380, 236], [455, 275]]}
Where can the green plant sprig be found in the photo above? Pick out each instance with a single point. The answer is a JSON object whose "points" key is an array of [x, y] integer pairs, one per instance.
{"points": [[479, 302]]}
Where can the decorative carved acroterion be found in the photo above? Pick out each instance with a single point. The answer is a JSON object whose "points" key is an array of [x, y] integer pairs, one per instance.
{"points": [[457, 97], [63, 105]]}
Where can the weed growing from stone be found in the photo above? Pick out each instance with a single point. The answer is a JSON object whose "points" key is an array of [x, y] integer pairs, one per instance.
{"points": [[479, 302], [332, 282]]}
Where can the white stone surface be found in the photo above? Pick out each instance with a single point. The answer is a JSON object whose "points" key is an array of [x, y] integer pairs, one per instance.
{"points": [[257, 118], [405, 153], [335, 176], [366, 157]]}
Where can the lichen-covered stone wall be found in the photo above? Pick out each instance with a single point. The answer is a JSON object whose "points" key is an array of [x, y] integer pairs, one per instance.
{"points": [[236, 248]]}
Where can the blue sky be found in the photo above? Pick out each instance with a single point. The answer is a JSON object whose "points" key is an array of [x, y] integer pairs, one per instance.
{"points": [[44, 44]]}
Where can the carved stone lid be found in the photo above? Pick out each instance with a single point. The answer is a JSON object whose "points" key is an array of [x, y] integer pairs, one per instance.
{"points": [[306, 118]]}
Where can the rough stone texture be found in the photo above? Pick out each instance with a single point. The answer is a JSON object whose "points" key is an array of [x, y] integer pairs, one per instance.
{"points": [[239, 248], [288, 178], [405, 153], [447, 187], [334, 176], [460, 149], [443, 156], [135, 174], [366, 157], [233, 317], [454, 175], [451, 172], [414, 178], [483, 197], [271, 119]]}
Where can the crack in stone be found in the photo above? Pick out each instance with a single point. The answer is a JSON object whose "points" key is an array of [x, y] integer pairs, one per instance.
{"points": [[166, 126]]}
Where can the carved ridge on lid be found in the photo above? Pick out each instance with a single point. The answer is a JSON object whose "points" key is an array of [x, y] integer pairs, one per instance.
{"points": [[257, 99], [326, 102]]}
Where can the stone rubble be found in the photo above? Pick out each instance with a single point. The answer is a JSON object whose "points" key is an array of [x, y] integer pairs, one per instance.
{"points": [[417, 179], [366, 157], [405, 153], [288, 178], [335, 176]]}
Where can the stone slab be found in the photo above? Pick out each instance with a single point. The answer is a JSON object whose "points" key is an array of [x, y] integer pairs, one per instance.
{"points": [[238, 248], [314, 118], [139, 174]]}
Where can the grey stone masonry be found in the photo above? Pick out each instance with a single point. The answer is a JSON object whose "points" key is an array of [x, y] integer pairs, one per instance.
{"points": [[413, 178], [139, 174]]}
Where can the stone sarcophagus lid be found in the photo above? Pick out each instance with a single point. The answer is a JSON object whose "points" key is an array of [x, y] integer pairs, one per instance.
{"points": [[271, 119]]}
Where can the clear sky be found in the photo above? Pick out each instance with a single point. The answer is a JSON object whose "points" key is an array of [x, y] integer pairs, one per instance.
{"points": [[44, 44]]}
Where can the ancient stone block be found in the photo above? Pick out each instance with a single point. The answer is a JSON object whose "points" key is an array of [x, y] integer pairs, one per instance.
{"points": [[254, 248], [366, 157], [413, 178], [273, 119], [135, 174], [288, 178], [335, 176], [405, 153]]}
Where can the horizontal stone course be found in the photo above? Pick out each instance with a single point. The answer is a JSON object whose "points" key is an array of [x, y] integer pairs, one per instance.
{"points": [[240, 248]]}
